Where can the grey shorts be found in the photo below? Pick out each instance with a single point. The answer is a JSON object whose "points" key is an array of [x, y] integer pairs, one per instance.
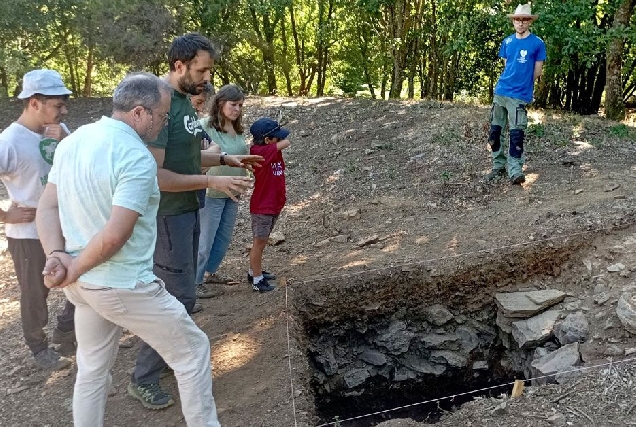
{"points": [[262, 225]]}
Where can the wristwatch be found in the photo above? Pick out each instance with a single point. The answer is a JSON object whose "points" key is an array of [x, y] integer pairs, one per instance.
{"points": [[222, 158]]}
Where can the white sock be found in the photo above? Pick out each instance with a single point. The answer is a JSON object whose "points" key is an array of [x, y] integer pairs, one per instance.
{"points": [[250, 272], [257, 279]]}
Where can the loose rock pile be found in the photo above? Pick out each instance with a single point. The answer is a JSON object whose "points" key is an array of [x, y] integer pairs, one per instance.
{"points": [[538, 344]]}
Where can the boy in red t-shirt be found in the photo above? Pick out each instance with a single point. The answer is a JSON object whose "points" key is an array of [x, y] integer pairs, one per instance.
{"points": [[268, 198]]}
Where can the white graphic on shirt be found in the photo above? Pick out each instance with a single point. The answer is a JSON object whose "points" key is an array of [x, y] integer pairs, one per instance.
{"points": [[192, 125], [524, 57], [277, 168], [508, 40]]}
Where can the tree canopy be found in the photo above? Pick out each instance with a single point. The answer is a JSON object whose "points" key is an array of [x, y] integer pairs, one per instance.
{"points": [[437, 49]]}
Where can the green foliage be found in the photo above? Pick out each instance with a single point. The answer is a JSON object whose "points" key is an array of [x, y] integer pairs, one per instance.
{"points": [[536, 129], [306, 47], [135, 34], [621, 131], [445, 137], [350, 81]]}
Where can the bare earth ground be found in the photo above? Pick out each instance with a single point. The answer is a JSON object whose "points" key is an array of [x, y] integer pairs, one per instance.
{"points": [[375, 184]]}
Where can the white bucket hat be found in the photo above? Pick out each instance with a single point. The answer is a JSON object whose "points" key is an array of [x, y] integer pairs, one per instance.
{"points": [[43, 82], [523, 11]]}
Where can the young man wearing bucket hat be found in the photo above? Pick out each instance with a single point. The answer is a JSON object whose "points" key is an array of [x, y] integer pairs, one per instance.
{"points": [[523, 54], [26, 156]]}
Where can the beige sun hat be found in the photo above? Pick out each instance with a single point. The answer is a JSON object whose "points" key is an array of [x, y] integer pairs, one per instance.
{"points": [[523, 11]]}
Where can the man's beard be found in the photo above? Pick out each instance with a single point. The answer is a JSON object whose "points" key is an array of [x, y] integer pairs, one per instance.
{"points": [[188, 86]]}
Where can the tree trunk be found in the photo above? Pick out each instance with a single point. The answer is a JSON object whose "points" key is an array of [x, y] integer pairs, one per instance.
{"points": [[71, 67], [396, 80], [4, 83], [266, 45], [435, 56], [88, 78], [596, 91], [300, 54], [364, 54], [269, 59], [385, 80], [323, 37], [614, 105], [285, 64], [423, 77], [412, 70]]}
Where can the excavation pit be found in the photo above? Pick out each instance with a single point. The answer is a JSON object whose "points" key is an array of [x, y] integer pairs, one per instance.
{"points": [[404, 335]]}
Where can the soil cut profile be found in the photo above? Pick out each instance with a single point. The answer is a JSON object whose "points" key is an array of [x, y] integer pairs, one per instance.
{"points": [[390, 255]]}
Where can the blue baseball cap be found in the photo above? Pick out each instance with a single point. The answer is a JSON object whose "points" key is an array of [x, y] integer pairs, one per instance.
{"points": [[266, 127]]}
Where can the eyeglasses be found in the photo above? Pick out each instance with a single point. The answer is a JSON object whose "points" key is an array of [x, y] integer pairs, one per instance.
{"points": [[164, 119]]}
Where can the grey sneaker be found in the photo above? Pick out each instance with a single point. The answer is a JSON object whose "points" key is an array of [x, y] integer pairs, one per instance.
{"points": [[50, 360], [152, 396], [495, 173], [208, 291]]}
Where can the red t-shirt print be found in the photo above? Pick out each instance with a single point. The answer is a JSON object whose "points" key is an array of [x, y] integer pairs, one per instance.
{"points": [[269, 195]]}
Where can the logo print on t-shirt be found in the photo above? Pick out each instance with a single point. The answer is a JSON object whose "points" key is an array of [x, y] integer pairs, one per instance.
{"points": [[277, 168], [523, 59], [47, 149], [192, 125]]}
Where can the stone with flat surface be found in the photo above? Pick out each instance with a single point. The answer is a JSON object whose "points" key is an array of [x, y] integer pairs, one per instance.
{"points": [[564, 359], [527, 304], [423, 366], [536, 330]]}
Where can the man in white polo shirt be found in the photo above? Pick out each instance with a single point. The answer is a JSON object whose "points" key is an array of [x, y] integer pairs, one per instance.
{"points": [[26, 156], [98, 219]]}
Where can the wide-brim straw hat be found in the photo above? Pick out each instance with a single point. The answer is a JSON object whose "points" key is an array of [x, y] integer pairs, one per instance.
{"points": [[523, 11]]}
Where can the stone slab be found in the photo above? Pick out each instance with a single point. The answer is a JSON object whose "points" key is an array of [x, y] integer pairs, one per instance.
{"points": [[536, 330], [527, 304], [563, 359]]}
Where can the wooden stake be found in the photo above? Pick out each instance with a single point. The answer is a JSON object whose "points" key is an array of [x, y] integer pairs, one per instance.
{"points": [[517, 389]]}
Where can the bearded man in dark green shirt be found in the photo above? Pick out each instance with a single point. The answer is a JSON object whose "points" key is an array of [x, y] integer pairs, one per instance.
{"points": [[179, 158]]}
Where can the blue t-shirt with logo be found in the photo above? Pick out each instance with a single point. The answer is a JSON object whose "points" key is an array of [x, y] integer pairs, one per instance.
{"points": [[517, 79], [181, 140]]}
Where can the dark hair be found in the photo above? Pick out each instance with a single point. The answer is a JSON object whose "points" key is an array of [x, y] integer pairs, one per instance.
{"points": [[139, 89], [227, 93], [43, 98], [260, 141], [185, 48]]}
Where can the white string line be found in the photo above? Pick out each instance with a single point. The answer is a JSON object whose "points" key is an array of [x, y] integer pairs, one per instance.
{"points": [[289, 357], [463, 254], [610, 363]]}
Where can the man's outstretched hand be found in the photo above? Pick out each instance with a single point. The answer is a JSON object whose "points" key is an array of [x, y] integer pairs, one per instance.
{"points": [[248, 161]]}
